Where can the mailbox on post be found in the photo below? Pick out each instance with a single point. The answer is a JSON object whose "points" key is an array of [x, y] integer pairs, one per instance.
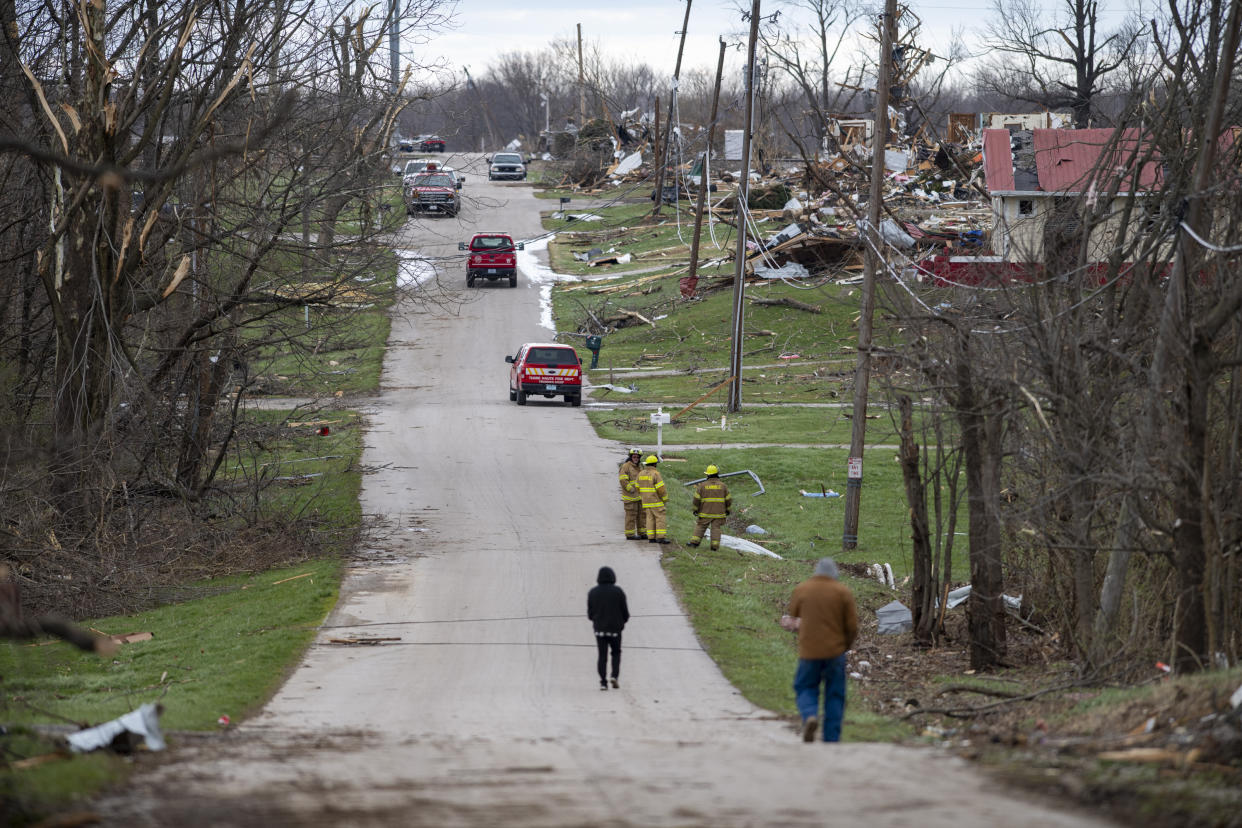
{"points": [[658, 419], [594, 343]]}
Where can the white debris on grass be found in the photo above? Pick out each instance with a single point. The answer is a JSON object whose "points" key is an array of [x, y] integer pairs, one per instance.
{"points": [[144, 722], [743, 545], [789, 270]]}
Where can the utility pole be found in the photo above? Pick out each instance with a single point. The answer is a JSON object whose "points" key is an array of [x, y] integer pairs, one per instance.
{"points": [[743, 195], [581, 83], [487, 117], [394, 45], [704, 180], [668, 126], [862, 374]]}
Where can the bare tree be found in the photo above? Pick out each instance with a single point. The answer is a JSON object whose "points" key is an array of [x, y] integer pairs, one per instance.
{"points": [[1062, 61], [176, 147]]}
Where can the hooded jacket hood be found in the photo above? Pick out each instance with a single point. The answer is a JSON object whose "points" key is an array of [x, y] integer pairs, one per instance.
{"points": [[826, 566], [606, 576]]}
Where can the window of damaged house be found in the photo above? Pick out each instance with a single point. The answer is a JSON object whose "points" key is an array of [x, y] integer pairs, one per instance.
{"points": [[1026, 207], [1151, 212]]}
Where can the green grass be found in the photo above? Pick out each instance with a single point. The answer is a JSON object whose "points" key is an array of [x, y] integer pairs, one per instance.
{"points": [[325, 478], [224, 654], [702, 425], [330, 350]]}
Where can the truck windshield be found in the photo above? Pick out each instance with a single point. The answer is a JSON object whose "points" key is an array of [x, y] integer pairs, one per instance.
{"points": [[501, 158], [434, 181], [552, 356]]}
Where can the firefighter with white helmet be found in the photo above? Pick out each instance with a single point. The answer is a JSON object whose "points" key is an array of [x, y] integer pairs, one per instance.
{"points": [[712, 504], [627, 475], [654, 497]]}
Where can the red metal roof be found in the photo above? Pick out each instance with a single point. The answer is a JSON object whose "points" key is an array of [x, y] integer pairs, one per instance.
{"points": [[997, 160], [1076, 160]]}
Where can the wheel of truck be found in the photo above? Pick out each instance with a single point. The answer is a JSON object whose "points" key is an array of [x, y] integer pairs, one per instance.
{"points": [[513, 280], [469, 281], [575, 401], [521, 397]]}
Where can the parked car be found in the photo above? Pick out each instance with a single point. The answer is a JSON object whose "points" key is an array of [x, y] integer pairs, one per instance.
{"points": [[492, 257], [548, 369], [431, 143], [506, 165], [432, 192]]}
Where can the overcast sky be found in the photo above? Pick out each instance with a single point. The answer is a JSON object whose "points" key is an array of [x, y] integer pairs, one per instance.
{"points": [[646, 30]]}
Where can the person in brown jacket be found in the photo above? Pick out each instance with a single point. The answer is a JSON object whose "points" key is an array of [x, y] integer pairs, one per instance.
{"points": [[823, 613], [627, 476], [712, 504], [651, 489]]}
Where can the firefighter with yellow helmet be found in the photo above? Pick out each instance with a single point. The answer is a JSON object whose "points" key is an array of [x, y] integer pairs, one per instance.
{"points": [[712, 504], [627, 475], [654, 497]]}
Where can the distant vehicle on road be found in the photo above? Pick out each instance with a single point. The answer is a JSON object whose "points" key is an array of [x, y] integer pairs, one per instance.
{"points": [[548, 369], [432, 192], [506, 165], [491, 257], [431, 143]]}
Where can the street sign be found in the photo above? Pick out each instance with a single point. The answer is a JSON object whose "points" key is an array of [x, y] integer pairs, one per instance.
{"points": [[854, 466]]}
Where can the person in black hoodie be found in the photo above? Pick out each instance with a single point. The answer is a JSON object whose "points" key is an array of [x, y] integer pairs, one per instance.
{"points": [[607, 609]]}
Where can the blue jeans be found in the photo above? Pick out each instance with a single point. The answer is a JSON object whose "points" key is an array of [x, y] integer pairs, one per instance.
{"points": [[831, 673]]}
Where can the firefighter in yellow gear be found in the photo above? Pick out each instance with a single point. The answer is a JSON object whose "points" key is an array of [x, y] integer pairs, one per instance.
{"points": [[627, 475], [655, 496], [712, 504]]}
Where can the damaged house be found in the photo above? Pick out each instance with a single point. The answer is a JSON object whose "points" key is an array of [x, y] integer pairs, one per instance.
{"points": [[1046, 183]]}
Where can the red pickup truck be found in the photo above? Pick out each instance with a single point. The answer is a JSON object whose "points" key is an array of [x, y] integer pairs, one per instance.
{"points": [[491, 257]]}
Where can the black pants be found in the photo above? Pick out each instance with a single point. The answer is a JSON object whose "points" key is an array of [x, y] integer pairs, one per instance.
{"points": [[605, 642]]}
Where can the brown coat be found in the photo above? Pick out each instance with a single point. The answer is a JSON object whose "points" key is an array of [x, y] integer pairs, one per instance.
{"points": [[627, 475], [829, 618]]}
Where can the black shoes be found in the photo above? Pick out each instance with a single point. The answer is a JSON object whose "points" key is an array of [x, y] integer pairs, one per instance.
{"points": [[603, 685], [615, 686], [692, 543], [664, 540]]}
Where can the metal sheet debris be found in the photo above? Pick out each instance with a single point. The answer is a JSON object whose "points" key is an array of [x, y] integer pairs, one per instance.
{"points": [[143, 723]]}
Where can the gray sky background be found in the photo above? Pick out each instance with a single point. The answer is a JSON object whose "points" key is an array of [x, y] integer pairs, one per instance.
{"points": [[646, 30]]}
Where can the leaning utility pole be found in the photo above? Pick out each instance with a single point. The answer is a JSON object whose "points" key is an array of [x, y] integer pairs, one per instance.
{"points": [[394, 45], [487, 115], [668, 125], [862, 374], [581, 83], [743, 195], [705, 179]]}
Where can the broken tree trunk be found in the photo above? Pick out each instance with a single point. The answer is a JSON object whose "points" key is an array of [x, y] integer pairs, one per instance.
{"points": [[787, 303], [13, 624]]}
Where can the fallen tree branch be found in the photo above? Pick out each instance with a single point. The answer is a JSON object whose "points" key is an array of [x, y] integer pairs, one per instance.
{"points": [[788, 303], [983, 691], [970, 712]]}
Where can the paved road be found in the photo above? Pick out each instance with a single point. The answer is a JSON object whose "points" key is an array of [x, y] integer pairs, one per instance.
{"points": [[487, 712]]}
